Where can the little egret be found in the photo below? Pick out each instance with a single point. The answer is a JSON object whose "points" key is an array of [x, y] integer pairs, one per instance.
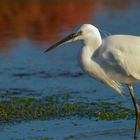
{"points": [[114, 60]]}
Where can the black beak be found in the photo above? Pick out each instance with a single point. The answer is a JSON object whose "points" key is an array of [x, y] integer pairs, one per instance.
{"points": [[68, 38]]}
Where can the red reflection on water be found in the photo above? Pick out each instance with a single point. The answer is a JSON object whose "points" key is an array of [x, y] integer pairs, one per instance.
{"points": [[44, 20], [40, 20], [116, 4]]}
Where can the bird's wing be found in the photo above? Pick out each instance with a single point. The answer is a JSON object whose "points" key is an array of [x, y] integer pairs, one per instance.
{"points": [[123, 55]]}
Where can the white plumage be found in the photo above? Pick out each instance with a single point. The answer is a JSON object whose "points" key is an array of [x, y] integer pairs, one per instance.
{"points": [[114, 61]]}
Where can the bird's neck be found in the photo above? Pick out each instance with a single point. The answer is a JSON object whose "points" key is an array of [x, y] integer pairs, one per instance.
{"points": [[89, 49], [91, 44]]}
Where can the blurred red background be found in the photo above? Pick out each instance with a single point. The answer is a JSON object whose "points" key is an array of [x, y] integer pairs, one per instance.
{"points": [[46, 20]]}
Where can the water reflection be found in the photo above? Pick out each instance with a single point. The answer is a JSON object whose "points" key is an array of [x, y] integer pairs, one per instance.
{"points": [[45, 21], [40, 20]]}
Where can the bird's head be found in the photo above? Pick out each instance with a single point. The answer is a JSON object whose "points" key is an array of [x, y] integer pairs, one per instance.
{"points": [[84, 32]]}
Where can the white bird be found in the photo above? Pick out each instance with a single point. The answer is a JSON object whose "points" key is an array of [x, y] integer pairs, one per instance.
{"points": [[114, 60]]}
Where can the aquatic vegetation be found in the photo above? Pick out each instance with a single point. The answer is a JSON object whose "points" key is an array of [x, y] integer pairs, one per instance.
{"points": [[46, 138], [59, 107]]}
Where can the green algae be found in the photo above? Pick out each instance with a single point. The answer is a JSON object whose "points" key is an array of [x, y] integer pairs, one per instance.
{"points": [[58, 107], [46, 138]]}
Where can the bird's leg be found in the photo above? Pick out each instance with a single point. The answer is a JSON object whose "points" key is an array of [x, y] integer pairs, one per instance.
{"points": [[131, 90]]}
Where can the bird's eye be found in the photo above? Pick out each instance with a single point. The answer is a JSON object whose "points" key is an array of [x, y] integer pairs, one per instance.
{"points": [[80, 33]]}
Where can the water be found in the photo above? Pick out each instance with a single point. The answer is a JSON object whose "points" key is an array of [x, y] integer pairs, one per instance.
{"points": [[27, 29], [70, 129]]}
